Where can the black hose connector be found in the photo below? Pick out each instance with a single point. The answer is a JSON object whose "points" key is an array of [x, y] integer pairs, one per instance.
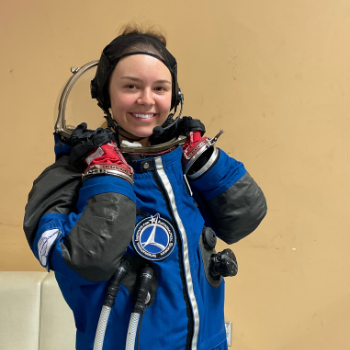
{"points": [[223, 264], [142, 291], [114, 284]]}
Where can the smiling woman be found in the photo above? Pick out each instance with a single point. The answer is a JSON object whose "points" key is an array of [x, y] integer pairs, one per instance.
{"points": [[140, 94], [138, 74], [142, 219]]}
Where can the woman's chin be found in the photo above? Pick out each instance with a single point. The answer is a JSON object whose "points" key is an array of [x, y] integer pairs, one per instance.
{"points": [[141, 132]]}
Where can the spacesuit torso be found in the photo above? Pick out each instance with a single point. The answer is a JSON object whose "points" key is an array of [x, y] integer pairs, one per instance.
{"points": [[76, 229]]}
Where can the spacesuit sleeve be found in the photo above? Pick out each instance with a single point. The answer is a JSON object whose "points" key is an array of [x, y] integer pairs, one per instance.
{"points": [[80, 230], [234, 203]]}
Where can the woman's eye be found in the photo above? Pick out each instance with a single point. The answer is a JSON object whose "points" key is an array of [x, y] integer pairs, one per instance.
{"points": [[159, 88], [130, 86]]}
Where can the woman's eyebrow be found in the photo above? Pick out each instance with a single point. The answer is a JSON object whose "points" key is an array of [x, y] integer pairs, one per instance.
{"points": [[161, 81], [131, 78]]}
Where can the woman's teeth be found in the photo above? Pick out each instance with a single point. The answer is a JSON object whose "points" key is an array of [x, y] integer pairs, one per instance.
{"points": [[143, 116]]}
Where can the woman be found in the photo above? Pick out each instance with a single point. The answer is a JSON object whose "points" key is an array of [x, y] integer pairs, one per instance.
{"points": [[136, 208]]}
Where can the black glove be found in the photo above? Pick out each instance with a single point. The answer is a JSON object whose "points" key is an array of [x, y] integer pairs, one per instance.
{"points": [[84, 140], [182, 127], [189, 124]]}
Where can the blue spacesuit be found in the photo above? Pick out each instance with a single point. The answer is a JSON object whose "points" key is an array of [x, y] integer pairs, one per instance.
{"points": [[82, 230]]}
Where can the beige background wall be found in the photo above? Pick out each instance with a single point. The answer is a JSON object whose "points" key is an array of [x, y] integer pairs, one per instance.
{"points": [[275, 75]]}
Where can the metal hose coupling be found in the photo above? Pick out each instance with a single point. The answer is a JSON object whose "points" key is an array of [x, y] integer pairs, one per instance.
{"points": [[142, 291], [114, 284]]}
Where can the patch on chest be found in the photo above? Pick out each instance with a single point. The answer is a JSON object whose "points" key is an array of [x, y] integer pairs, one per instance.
{"points": [[154, 238]]}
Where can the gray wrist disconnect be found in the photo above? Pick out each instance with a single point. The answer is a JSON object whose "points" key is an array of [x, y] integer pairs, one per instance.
{"points": [[201, 158], [211, 161], [109, 169]]}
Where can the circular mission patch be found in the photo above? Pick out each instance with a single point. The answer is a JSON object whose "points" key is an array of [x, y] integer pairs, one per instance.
{"points": [[154, 238]]}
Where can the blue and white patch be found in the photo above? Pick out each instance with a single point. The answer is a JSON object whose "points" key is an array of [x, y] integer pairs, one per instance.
{"points": [[47, 239], [154, 238]]}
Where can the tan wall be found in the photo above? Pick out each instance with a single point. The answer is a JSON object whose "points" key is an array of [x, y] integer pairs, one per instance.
{"points": [[275, 75]]}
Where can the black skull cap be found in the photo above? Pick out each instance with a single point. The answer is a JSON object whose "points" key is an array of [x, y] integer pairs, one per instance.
{"points": [[126, 45]]}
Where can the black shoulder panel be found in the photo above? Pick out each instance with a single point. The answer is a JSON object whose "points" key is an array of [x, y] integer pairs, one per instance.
{"points": [[239, 210], [54, 191], [100, 238]]}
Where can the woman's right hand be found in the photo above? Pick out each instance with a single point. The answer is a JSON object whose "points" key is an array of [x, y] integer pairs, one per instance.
{"points": [[98, 151]]}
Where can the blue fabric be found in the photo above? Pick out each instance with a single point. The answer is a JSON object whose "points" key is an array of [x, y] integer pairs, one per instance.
{"points": [[102, 184], [165, 324], [60, 147], [64, 223], [222, 346], [220, 177]]}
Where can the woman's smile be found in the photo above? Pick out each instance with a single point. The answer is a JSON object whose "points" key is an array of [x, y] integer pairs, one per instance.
{"points": [[143, 116]]}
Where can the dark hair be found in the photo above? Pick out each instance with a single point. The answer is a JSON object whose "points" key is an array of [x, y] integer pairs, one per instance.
{"points": [[133, 28]]}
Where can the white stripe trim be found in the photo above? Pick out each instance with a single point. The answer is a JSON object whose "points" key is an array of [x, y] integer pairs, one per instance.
{"points": [[166, 183]]}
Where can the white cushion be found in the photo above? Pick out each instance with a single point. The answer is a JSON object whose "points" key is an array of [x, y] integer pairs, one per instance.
{"points": [[57, 327], [19, 309]]}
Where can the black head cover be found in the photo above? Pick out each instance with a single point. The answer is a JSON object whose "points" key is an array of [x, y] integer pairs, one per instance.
{"points": [[126, 45]]}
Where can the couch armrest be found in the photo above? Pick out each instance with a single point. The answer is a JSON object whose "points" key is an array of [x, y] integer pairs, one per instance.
{"points": [[33, 313], [57, 327], [20, 309]]}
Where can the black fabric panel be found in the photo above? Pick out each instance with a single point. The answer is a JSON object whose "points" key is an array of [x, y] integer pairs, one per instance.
{"points": [[239, 210], [98, 241], [54, 191]]}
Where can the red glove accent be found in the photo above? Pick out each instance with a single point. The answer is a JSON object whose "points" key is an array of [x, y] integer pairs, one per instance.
{"points": [[109, 155], [194, 143], [192, 140]]}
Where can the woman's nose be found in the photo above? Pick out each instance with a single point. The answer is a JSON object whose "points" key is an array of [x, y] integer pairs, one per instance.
{"points": [[146, 97]]}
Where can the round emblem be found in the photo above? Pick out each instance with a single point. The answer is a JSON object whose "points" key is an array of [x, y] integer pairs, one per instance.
{"points": [[154, 238]]}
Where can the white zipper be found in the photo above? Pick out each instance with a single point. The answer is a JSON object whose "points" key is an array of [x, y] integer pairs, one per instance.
{"points": [[188, 276]]}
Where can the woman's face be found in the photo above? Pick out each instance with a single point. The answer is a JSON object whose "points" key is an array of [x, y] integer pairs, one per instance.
{"points": [[140, 94]]}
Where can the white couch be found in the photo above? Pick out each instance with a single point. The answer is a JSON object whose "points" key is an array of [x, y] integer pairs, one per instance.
{"points": [[33, 313]]}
